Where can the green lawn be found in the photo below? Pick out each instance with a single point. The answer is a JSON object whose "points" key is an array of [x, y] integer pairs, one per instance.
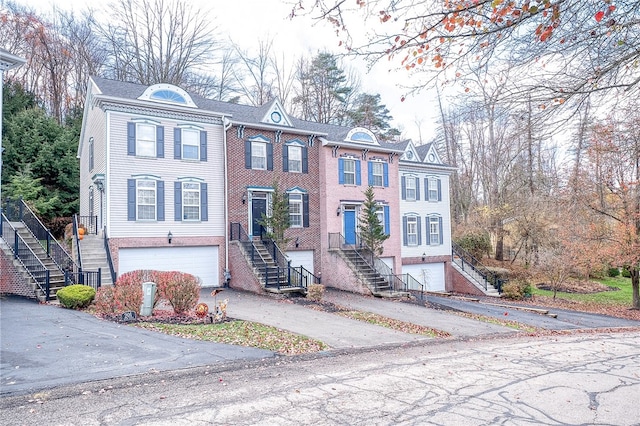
{"points": [[617, 297]]}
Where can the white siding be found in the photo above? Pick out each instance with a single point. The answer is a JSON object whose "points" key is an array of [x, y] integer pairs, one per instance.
{"points": [[302, 258], [423, 209], [123, 167]]}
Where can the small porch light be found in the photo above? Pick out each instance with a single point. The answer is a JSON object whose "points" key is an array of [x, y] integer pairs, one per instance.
{"points": [[424, 256], [244, 198], [169, 237], [338, 211]]}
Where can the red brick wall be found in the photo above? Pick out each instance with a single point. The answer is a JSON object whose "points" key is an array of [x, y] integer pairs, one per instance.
{"points": [[242, 276], [11, 280], [461, 285], [240, 178], [340, 276]]}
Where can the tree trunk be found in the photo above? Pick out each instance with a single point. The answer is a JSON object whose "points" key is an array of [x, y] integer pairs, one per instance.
{"points": [[635, 285]]}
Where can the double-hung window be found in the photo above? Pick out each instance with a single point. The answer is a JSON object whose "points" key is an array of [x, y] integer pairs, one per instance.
{"points": [[434, 226], [433, 189], [145, 140], [190, 201], [190, 144], [146, 198], [377, 174], [412, 231], [295, 210], [295, 158], [410, 189], [349, 172], [258, 155]]}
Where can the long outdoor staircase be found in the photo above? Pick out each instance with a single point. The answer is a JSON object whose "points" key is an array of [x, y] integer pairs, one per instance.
{"points": [[489, 283], [371, 270], [270, 265], [94, 257], [45, 265]]}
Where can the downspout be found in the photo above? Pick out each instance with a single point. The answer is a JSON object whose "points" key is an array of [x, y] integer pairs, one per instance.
{"points": [[226, 125]]}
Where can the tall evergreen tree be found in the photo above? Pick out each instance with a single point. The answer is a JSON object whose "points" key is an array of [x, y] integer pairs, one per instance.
{"points": [[278, 222], [371, 229], [368, 112]]}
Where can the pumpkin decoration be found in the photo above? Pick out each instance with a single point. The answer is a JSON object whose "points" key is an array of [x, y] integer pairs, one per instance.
{"points": [[81, 232], [202, 309]]}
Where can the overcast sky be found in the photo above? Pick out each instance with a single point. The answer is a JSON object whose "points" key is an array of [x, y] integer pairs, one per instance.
{"points": [[247, 21]]}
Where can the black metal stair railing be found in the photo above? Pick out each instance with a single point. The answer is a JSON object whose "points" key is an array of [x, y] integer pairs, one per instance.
{"points": [[54, 250], [107, 249], [270, 274], [365, 255], [466, 260], [23, 253]]}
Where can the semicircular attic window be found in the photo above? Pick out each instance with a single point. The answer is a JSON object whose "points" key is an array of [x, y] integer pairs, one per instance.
{"points": [[168, 96], [167, 93], [361, 134]]}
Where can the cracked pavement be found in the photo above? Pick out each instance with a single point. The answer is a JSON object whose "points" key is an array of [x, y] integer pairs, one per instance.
{"points": [[565, 380]]}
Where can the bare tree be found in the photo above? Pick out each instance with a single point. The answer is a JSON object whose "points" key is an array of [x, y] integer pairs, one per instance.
{"points": [[157, 41], [255, 79]]}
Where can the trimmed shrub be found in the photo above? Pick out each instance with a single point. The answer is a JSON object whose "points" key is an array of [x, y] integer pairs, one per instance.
{"points": [[181, 290], [613, 272], [76, 296], [315, 292], [516, 290], [124, 296], [626, 273]]}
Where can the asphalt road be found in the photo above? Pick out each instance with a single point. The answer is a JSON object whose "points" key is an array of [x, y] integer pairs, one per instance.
{"points": [[584, 379]]}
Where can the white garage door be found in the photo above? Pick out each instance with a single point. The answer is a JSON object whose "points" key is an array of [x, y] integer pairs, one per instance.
{"points": [[431, 275], [199, 261], [302, 258]]}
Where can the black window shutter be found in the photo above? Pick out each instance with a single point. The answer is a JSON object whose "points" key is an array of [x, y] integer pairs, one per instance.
{"points": [[439, 190], [426, 189], [204, 202], [247, 154], [285, 158], [417, 189], [404, 188], [428, 225], [419, 223], [269, 156], [305, 210], [177, 201], [131, 199], [203, 145], [177, 143], [160, 141], [305, 159], [404, 230], [160, 200], [131, 138]]}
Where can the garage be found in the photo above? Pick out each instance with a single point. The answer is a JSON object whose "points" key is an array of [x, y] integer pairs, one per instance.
{"points": [[199, 261], [302, 258], [431, 275]]}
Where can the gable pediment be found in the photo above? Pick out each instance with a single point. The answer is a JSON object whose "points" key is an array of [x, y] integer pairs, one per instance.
{"points": [[432, 156], [276, 115], [410, 153]]}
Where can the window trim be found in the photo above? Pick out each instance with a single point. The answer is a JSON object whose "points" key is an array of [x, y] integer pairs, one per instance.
{"points": [[436, 220], [298, 149], [195, 143], [412, 222], [296, 198], [184, 205], [155, 200]]}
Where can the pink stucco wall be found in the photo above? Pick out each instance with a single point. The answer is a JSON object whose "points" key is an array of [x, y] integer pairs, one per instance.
{"points": [[334, 194]]}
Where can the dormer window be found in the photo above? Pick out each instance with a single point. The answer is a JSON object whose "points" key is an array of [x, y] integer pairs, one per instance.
{"points": [[167, 93], [361, 135]]}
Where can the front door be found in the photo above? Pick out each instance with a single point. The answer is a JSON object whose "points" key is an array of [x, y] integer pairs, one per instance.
{"points": [[258, 207], [349, 218]]}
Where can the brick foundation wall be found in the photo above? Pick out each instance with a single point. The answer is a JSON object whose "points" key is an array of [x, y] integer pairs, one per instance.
{"points": [[11, 280], [461, 285], [341, 276], [242, 276]]}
